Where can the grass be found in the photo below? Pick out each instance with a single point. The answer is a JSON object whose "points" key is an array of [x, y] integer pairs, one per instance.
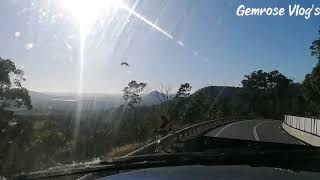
{"points": [[125, 149]]}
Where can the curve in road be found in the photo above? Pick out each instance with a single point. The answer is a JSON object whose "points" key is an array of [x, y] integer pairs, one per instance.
{"points": [[258, 130]]}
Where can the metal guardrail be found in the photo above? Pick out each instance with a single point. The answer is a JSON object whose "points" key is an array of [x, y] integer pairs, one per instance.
{"points": [[308, 125], [185, 133]]}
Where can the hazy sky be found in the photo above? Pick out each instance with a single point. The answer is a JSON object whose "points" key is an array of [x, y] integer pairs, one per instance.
{"points": [[164, 41]]}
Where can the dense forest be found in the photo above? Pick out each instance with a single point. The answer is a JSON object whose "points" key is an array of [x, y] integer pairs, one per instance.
{"points": [[35, 142]]}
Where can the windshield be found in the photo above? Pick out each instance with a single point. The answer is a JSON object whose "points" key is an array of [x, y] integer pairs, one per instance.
{"points": [[87, 80]]}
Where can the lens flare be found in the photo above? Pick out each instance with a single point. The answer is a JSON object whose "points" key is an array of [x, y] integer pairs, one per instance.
{"points": [[86, 13]]}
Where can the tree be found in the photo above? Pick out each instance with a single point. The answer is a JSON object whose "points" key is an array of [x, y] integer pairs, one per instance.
{"points": [[266, 92], [196, 108], [315, 48], [12, 94], [311, 83], [132, 93], [311, 91], [184, 90]]}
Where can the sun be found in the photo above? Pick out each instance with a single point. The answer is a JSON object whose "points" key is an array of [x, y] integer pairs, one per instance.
{"points": [[87, 12]]}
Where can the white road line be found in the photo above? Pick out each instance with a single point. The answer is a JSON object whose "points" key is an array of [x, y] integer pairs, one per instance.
{"points": [[228, 126], [255, 130]]}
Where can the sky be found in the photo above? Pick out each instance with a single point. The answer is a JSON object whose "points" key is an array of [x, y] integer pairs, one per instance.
{"points": [[79, 47]]}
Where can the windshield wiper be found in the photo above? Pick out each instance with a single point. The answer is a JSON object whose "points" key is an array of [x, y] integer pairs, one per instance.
{"points": [[295, 159]]}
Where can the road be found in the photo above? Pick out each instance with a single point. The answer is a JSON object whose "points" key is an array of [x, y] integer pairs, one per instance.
{"points": [[258, 130]]}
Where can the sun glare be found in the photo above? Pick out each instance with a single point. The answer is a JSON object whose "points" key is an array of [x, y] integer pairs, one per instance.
{"points": [[87, 12]]}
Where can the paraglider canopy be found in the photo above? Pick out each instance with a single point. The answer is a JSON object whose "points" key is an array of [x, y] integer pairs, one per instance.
{"points": [[124, 64]]}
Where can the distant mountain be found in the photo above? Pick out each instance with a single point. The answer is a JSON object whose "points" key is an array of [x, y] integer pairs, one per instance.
{"points": [[215, 93], [218, 94], [212, 100], [154, 97], [218, 91]]}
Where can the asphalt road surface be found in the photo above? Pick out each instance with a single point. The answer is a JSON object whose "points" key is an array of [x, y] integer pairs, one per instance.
{"points": [[258, 130]]}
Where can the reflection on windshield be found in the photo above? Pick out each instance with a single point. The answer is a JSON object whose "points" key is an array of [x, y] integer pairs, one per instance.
{"points": [[83, 81]]}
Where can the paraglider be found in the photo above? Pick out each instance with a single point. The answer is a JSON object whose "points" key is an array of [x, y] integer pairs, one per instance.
{"points": [[125, 64]]}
